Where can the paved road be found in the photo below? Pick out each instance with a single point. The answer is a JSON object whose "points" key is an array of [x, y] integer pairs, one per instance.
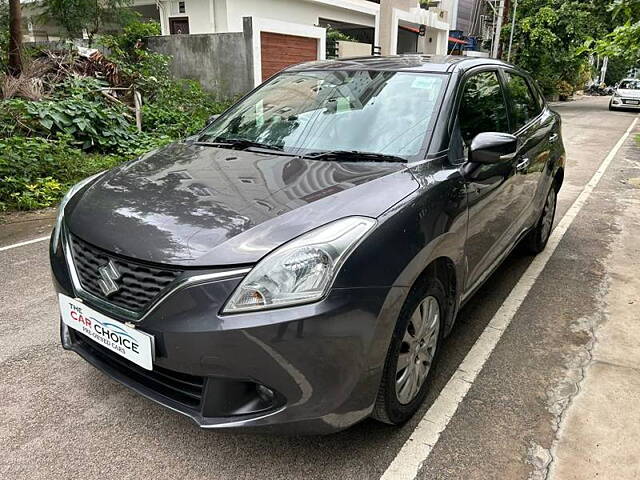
{"points": [[60, 418]]}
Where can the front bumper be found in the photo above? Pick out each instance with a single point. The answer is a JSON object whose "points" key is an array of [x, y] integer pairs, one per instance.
{"points": [[622, 102], [321, 363]]}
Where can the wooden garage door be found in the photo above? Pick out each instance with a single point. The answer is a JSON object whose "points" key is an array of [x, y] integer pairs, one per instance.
{"points": [[279, 51]]}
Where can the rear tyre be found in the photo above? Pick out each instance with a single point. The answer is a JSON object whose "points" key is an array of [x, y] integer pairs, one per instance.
{"points": [[536, 240], [412, 354]]}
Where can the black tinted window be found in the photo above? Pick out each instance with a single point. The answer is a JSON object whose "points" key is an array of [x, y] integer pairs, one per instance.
{"points": [[524, 104], [482, 108]]}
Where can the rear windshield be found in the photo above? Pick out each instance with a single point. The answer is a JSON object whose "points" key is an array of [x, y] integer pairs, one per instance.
{"points": [[386, 113]]}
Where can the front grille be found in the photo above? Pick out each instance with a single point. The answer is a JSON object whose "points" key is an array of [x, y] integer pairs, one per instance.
{"points": [[139, 284], [180, 387]]}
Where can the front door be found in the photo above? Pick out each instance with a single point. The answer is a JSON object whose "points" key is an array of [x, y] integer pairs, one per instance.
{"points": [[492, 190], [179, 25]]}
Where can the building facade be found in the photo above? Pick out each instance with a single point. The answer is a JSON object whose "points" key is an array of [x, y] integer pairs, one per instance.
{"points": [[389, 26]]}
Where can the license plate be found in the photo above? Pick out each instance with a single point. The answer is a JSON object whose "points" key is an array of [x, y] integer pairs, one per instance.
{"points": [[632, 102], [132, 344]]}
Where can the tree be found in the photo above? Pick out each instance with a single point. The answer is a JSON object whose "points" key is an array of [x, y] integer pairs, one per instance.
{"points": [[15, 38], [624, 40], [550, 36], [618, 69], [94, 16]]}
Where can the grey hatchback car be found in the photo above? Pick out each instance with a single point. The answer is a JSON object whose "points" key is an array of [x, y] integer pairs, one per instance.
{"points": [[296, 265]]}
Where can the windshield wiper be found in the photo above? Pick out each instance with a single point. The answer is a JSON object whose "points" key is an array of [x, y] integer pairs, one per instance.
{"points": [[353, 155], [238, 144]]}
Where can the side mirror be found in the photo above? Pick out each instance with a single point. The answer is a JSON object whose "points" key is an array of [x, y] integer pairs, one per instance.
{"points": [[492, 147], [212, 118]]}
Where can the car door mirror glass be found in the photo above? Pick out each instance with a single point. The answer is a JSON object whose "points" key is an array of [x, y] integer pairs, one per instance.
{"points": [[492, 147]]}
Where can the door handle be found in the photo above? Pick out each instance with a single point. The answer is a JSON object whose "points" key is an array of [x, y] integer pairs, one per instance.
{"points": [[523, 164], [553, 138]]}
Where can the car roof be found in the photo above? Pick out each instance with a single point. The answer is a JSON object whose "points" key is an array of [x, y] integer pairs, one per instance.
{"points": [[399, 63]]}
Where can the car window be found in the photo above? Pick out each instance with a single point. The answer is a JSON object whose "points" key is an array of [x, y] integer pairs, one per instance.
{"points": [[629, 85], [482, 108], [368, 111], [524, 106]]}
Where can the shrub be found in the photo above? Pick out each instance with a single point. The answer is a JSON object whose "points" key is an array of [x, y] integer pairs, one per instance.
{"points": [[127, 45], [75, 131], [179, 109], [565, 90], [23, 195], [88, 122], [35, 172]]}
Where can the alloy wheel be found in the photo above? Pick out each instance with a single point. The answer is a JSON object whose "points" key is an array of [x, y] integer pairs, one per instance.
{"points": [[417, 350], [548, 214]]}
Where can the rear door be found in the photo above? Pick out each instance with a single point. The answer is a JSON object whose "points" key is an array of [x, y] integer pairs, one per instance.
{"points": [[532, 128]]}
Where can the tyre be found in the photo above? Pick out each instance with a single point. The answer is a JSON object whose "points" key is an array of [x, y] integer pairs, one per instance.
{"points": [[536, 240], [412, 354]]}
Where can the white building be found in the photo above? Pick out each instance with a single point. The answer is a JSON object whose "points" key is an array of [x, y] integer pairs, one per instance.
{"points": [[232, 45], [392, 25]]}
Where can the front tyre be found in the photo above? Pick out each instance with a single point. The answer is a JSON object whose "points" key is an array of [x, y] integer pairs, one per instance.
{"points": [[412, 354], [536, 240]]}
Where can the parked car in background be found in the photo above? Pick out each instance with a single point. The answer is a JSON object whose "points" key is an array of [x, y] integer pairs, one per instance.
{"points": [[296, 266], [626, 94]]}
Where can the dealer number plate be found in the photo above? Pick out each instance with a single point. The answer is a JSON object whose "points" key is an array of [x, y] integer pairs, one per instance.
{"points": [[130, 343]]}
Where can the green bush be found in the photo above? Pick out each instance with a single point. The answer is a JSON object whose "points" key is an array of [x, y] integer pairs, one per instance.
{"points": [[126, 45], [89, 123], [180, 109], [564, 89], [23, 195], [35, 172], [48, 145]]}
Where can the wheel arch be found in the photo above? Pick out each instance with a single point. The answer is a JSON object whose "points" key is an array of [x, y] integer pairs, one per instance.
{"points": [[444, 269], [558, 179]]}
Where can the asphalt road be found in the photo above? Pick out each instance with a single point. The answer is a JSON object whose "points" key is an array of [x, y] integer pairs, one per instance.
{"points": [[61, 418]]}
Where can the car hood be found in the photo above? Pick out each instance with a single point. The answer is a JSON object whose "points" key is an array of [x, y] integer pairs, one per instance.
{"points": [[200, 206], [623, 92]]}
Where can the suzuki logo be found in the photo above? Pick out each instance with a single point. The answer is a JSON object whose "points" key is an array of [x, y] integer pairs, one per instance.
{"points": [[108, 276]]}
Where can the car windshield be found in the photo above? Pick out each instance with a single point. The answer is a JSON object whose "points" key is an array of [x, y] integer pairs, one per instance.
{"points": [[629, 85], [375, 112]]}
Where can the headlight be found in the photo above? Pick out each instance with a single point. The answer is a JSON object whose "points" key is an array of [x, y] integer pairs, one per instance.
{"points": [[302, 270], [63, 203]]}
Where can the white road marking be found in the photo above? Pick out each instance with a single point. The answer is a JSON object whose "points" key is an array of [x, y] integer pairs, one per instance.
{"points": [[22, 244], [417, 448]]}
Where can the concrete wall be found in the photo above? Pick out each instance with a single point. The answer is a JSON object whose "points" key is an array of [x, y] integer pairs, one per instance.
{"points": [[435, 42], [221, 62], [352, 49]]}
